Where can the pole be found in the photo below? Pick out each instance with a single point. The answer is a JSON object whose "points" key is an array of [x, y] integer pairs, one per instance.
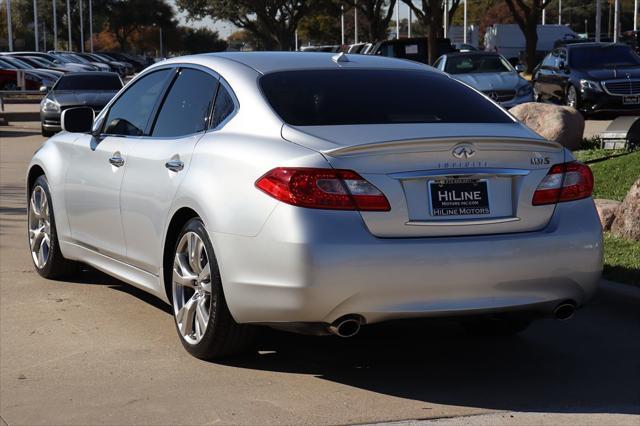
{"points": [[69, 44], [81, 27], [55, 26], [342, 24], [161, 46], [464, 25], [90, 26], [598, 20], [544, 16], [355, 23], [559, 12], [397, 19], [635, 15], [410, 19], [445, 18], [616, 21], [9, 28], [296, 40], [44, 37], [35, 22]]}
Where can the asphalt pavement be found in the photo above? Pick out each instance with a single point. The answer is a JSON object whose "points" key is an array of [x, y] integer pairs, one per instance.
{"points": [[93, 350]]}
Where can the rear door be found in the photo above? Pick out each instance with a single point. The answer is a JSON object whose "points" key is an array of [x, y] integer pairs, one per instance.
{"points": [[157, 164]]}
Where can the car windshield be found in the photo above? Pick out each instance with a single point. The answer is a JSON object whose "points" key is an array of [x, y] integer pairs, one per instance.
{"points": [[603, 57], [342, 97], [89, 82], [17, 63], [474, 64], [42, 61]]}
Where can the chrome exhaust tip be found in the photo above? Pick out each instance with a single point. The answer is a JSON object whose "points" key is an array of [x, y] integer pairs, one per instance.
{"points": [[347, 326], [564, 311]]}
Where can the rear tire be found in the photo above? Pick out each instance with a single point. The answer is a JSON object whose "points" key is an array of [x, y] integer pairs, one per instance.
{"points": [[203, 321], [496, 326], [572, 98], [42, 234]]}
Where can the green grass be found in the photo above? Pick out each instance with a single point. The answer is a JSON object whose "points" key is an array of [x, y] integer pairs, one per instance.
{"points": [[595, 154], [614, 177], [621, 260]]}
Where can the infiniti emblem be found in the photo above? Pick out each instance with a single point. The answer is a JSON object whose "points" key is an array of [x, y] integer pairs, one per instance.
{"points": [[463, 151]]}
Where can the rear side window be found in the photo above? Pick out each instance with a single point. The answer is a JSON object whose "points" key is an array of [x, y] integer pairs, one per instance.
{"points": [[341, 97], [186, 108], [130, 113], [223, 108]]}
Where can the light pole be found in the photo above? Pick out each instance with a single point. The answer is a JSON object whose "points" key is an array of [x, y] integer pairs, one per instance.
{"points": [[355, 22], [81, 27], [55, 26], [409, 23], [445, 18], [635, 15], [598, 20], [35, 22], [559, 12], [90, 26], [9, 28], [616, 20], [397, 19], [544, 16], [69, 45], [342, 24], [464, 26]]}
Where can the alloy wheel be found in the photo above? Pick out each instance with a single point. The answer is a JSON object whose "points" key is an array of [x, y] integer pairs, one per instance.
{"points": [[572, 97], [191, 284], [39, 227]]}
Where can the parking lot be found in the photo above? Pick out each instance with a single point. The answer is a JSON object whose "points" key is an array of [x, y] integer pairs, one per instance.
{"points": [[95, 350]]}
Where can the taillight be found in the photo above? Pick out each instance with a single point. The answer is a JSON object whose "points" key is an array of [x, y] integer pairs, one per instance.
{"points": [[564, 182], [323, 189]]}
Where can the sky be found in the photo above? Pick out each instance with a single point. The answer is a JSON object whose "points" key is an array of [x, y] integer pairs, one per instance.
{"points": [[224, 28]]}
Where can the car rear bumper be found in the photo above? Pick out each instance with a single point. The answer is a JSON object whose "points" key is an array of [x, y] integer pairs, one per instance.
{"points": [[317, 266]]}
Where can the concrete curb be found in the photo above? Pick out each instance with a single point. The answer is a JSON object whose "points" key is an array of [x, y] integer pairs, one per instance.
{"points": [[625, 290]]}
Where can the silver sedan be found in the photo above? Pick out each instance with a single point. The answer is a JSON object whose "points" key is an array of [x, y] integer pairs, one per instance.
{"points": [[315, 193]]}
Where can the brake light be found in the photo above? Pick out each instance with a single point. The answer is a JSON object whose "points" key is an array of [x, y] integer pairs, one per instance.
{"points": [[564, 182], [331, 189]]}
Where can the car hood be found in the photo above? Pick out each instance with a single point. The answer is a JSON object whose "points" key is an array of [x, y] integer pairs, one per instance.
{"points": [[612, 73], [90, 98], [491, 81]]}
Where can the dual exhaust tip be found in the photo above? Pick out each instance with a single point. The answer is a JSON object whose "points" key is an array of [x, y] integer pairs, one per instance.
{"points": [[349, 325]]}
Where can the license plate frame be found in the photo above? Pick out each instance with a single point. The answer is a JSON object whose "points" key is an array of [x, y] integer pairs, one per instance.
{"points": [[459, 197], [631, 99]]}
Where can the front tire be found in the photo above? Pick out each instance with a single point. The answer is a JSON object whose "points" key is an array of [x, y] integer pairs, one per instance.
{"points": [[42, 235], [203, 321], [572, 98]]}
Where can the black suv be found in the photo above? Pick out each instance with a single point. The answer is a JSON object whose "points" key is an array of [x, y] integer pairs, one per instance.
{"points": [[591, 77]]}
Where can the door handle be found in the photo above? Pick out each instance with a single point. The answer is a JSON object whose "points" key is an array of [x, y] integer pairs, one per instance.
{"points": [[117, 161], [174, 165]]}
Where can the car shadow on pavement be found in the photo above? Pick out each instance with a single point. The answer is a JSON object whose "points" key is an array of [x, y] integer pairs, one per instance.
{"points": [[590, 364]]}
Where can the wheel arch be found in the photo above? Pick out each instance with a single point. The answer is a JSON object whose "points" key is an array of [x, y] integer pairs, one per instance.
{"points": [[178, 220], [34, 172]]}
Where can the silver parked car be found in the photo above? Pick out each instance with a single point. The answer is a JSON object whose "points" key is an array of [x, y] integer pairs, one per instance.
{"points": [[315, 193], [490, 73]]}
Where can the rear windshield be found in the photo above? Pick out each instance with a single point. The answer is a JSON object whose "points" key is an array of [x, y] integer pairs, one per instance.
{"points": [[89, 82], [477, 64], [603, 57], [338, 97]]}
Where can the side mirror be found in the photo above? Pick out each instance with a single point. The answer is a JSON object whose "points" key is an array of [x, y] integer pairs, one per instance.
{"points": [[77, 120], [44, 89], [520, 68]]}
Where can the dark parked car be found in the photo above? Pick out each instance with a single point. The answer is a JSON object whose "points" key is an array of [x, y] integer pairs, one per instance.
{"points": [[591, 77], [92, 89], [415, 49]]}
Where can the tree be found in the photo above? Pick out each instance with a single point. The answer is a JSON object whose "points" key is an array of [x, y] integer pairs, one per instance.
{"points": [[430, 16], [527, 17], [378, 14], [127, 17], [273, 22], [200, 40]]}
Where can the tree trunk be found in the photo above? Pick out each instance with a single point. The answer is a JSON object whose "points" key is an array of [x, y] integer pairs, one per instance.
{"points": [[433, 42], [531, 37]]}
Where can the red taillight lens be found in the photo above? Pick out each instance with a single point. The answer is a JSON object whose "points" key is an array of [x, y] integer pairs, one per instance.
{"points": [[564, 182], [323, 189]]}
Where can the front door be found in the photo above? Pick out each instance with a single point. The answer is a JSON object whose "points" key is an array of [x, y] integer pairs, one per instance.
{"points": [[97, 169]]}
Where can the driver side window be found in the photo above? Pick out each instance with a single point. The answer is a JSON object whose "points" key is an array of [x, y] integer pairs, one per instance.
{"points": [[130, 113]]}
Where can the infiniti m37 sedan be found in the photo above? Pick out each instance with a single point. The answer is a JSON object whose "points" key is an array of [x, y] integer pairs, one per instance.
{"points": [[315, 193]]}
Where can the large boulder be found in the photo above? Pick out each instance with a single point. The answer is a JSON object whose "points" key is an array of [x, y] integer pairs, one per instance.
{"points": [[607, 211], [627, 221], [561, 124]]}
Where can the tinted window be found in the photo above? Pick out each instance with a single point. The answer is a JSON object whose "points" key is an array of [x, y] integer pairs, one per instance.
{"points": [[130, 113], [334, 97], [549, 61], [108, 82], [223, 108], [186, 108], [477, 64], [603, 57]]}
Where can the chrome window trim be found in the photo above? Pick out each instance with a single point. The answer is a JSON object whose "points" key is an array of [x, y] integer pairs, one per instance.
{"points": [[467, 172], [236, 104]]}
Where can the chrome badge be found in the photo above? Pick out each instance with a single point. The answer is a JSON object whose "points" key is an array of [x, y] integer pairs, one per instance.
{"points": [[463, 151]]}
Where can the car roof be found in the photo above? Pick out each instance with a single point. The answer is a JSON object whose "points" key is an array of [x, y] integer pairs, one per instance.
{"points": [[267, 62], [591, 44], [93, 74], [471, 53]]}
